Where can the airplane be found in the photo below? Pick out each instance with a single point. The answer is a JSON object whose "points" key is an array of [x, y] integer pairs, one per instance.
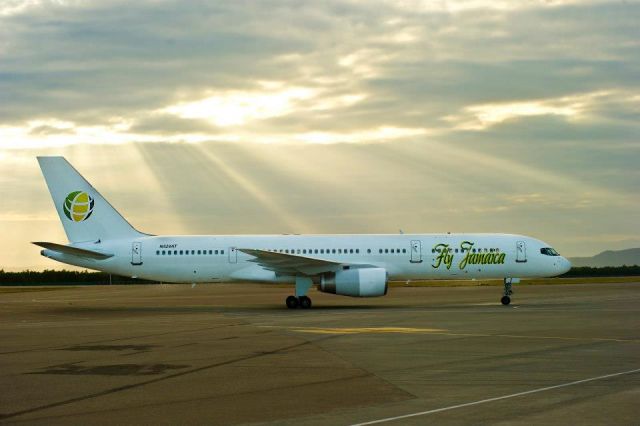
{"points": [[348, 265]]}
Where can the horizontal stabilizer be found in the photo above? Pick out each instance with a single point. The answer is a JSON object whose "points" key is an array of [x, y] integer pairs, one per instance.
{"points": [[75, 251]]}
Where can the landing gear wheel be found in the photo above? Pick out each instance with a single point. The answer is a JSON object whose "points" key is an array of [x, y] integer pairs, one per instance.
{"points": [[505, 300], [305, 302], [292, 302]]}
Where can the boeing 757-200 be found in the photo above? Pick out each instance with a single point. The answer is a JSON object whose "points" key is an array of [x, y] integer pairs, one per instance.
{"points": [[348, 265]]}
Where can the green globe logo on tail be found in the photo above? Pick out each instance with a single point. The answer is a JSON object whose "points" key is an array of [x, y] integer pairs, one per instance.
{"points": [[78, 206]]}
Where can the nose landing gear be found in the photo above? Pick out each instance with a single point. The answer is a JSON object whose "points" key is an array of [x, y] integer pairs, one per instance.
{"points": [[506, 295]]}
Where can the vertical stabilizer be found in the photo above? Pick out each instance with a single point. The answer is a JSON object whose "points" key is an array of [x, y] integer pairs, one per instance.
{"points": [[85, 214]]}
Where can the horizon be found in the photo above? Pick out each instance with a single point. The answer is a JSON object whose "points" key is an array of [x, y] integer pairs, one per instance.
{"points": [[340, 117]]}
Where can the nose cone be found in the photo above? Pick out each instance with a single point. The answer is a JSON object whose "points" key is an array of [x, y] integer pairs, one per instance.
{"points": [[564, 265]]}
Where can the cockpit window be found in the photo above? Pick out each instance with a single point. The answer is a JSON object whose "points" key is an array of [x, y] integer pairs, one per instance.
{"points": [[548, 251]]}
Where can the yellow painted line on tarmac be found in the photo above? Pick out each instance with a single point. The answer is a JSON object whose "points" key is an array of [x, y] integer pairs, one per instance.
{"points": [[358, 330], [439, 331]]}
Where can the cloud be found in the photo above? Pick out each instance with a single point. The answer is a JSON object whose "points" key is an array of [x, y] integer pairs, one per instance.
{"points": [[466, 115], [481, 117], [399, 64], [275, 99]]}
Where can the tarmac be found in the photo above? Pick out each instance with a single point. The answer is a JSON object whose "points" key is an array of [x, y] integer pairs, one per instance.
{"points": [[233, 354]]}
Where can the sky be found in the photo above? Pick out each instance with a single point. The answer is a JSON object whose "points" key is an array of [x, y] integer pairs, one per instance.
{"points": [[252, 117]]}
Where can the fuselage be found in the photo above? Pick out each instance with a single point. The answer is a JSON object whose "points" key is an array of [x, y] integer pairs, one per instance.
{"points": [[192, 259]]}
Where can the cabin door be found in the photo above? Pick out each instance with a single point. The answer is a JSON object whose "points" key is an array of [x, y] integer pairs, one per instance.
{"points": [[521, 252], [416, 251], [136, 253], [233, 255]]}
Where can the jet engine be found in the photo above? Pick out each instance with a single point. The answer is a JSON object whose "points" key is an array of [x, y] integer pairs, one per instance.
{"points": [[359, 282]]}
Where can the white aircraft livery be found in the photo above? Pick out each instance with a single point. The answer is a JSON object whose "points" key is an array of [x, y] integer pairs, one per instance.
{"points": [[348, 265]]}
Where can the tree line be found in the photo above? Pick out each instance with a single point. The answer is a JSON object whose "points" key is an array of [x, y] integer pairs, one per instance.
{"points": [[605, 271], [53, 277]]}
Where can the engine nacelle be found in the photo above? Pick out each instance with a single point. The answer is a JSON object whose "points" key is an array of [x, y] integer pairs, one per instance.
{"points": [[360, 282]]}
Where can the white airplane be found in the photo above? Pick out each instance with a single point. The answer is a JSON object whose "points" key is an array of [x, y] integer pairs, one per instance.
{"points": [[349, 265]]}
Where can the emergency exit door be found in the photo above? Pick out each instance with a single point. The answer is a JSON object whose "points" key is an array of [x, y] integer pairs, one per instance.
{"points": [[136, 253], [416, 251], [521, 252]]}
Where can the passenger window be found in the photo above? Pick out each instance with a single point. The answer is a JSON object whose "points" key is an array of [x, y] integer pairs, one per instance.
{"points": [[380, 251], [221, 251], [157, 252], [164, 252], [333, 251], [404, 250], [357, 251], [386, 250], [181, 252]]}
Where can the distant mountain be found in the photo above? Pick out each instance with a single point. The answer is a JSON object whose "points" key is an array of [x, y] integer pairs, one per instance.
{"points": [[627, 257]]}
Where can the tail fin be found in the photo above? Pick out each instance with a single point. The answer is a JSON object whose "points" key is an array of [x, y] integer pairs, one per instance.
{"points": [[85, 214]]}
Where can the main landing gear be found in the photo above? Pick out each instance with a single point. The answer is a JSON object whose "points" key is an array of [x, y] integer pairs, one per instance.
{"points": [[303, 302], [506, 295], [300, 300]]}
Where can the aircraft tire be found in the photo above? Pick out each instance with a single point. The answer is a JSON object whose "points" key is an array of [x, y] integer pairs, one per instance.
{"points": [[305, 302], [292, 302], [505, 300]]}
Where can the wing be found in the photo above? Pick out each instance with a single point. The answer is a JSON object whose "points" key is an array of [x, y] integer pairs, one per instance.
{"points": [[284, 263], [75, 251]]}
